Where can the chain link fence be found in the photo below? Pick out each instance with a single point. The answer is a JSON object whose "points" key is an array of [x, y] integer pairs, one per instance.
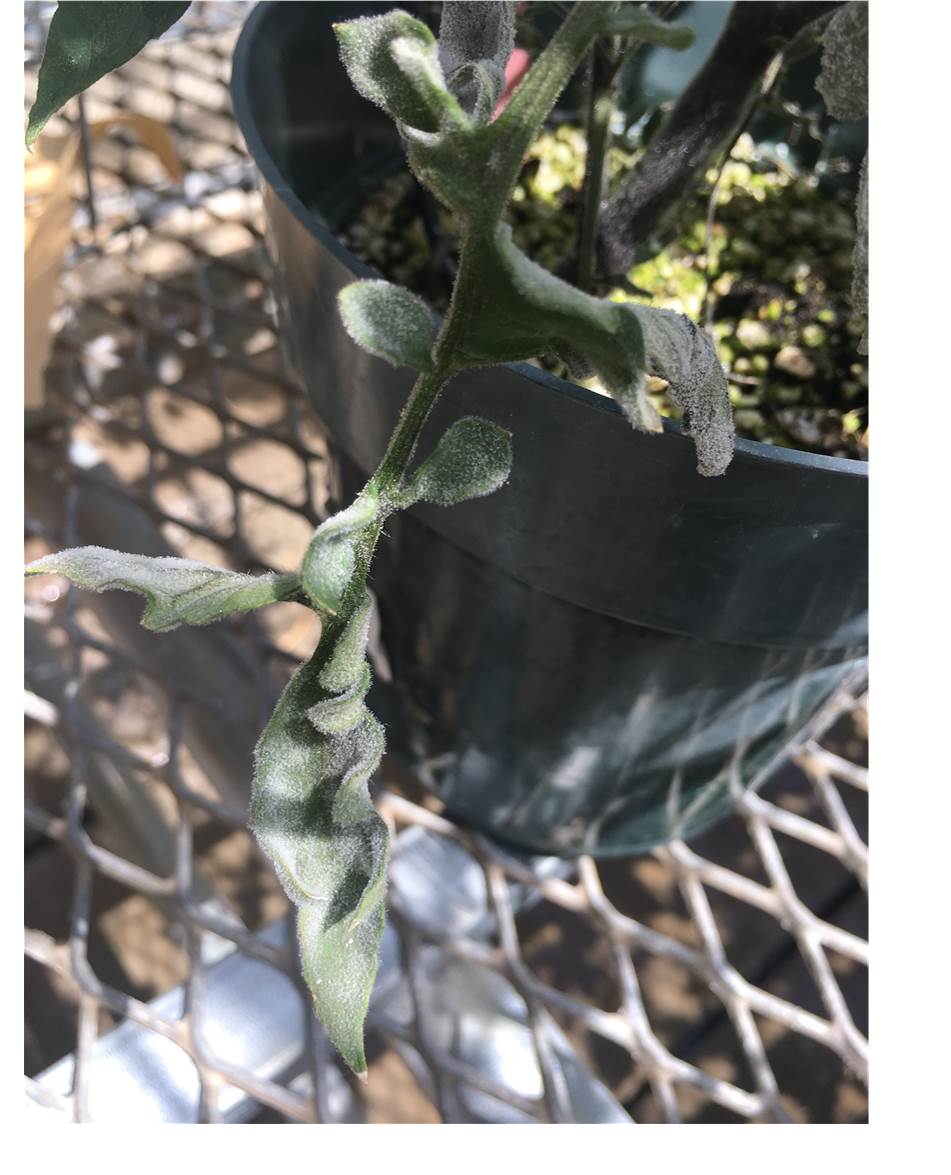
{"points": [[718, 981]]}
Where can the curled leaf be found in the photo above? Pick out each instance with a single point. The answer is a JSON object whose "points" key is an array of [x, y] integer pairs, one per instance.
{"points": [[179, 591], [393, 61], [473, 458], [343, 666], [531, 312], [678, 351], [331, 556], [311, 813], [388, 321], [475, 43], [342, 710], [85, 42]]}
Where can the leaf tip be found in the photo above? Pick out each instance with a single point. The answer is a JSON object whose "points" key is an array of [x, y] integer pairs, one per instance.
{"points": [[681, 37], [37, 567]]}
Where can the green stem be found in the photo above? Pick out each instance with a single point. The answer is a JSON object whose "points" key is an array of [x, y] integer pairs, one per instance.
{"points": [[402, 444], [388, 478], [536, 94], [515, 129]]}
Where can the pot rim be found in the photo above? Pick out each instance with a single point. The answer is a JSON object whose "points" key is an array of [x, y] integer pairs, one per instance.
{"points": [[264, 161]]}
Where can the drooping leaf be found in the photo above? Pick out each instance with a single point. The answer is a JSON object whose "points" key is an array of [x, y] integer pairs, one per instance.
{"points": [[393, 61], [311, 812], [678, 350], [531, 312], [475, 42], [86, 41], [331, 556], [179, 591], [388, 321], [473, 458]]}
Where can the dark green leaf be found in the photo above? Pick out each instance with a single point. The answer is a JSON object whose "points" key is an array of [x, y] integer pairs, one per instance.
{"points": [[531, 312], [388, 321], [179, 591], [472, 459], [86, 41]]}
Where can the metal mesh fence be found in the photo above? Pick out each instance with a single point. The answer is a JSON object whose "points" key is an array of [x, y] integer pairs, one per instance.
{"points": [[718, 981]]}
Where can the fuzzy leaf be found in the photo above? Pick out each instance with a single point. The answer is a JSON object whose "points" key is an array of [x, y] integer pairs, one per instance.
{"points": [[393, 61], [677, 350], [473, 458], [343, 666], [860, 255], [344, 709], [475, 43], [843, 84], [311, 812], [843, 79], [179, 591], [389, 322], [330, 558], [531, 312], [86, 41]]}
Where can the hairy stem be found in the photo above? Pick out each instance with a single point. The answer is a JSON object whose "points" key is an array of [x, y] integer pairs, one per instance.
{"points": [[402, 444], [534, 97]]}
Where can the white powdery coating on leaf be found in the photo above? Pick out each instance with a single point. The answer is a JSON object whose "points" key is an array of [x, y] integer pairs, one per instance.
{"points": [[843, 84], [343, 710], [472, 459], [312, 814], [678, 351], [843, 80], [179, 591], [420, 65], [860, 254], [329, 560], [389, 322], [364, 49], [346, 661]]}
